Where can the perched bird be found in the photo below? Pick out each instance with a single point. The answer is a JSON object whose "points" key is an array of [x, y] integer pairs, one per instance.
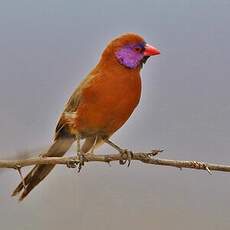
{"points": [[99, 106]]}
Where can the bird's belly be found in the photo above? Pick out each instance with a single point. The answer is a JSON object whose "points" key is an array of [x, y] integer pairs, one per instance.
{"points": [[102, 112]]}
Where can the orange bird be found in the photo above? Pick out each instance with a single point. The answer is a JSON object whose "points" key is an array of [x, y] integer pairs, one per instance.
{"points": [[99, 106]]}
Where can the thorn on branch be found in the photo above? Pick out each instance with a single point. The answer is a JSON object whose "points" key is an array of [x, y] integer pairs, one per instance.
{"points": [[201, 165], [155, 152], [206, 167]]}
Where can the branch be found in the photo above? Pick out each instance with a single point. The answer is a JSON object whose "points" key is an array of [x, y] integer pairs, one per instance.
{"points": [[147, 158]]}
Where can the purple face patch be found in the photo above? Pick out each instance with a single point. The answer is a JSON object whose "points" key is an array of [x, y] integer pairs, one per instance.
{"points": [[129, 57]]}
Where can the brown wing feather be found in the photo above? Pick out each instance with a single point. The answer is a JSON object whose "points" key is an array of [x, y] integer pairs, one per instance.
{"points": [[71, 106]]}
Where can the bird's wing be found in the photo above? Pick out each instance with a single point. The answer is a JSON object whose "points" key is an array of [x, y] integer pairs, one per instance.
{"points": [[71, 106]]}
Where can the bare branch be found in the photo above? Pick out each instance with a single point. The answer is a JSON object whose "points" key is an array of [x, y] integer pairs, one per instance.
{"points": [[147, 158]]}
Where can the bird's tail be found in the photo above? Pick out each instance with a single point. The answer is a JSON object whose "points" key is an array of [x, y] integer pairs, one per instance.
{"points": [[39, 172]]}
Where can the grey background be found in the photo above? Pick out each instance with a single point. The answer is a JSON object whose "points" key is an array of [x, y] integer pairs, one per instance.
{"points": [[47, 47]]}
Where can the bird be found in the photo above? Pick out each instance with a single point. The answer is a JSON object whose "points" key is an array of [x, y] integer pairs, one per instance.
{"points": [[99, 106]]}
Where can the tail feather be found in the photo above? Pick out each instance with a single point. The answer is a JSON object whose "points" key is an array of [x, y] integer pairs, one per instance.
{"points": [[39, 172]]}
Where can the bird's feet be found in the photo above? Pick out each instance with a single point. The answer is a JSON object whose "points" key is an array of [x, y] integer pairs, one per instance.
{"points": [[126, 156], [78, 163], [81, 163], [72, 163]]}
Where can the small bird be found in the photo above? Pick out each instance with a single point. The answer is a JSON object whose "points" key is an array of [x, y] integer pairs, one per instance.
{"points": [[99, 106]]}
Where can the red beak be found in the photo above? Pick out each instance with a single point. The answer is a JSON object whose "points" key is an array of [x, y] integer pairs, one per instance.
{"points": [[150, 50]]}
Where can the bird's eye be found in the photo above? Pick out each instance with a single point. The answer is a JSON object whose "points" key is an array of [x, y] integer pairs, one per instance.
{"points": [[137, 49]]}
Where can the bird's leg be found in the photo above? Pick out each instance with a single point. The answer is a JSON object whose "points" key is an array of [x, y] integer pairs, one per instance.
{"points": [[126, 154], [78, 145], [94, 145], [80, 154], [80, 163], [73, 163]]}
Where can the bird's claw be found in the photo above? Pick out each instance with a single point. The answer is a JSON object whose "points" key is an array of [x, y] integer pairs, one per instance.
{"points": [[72, 163], [81, 162], [126, 157], [77, 163]]}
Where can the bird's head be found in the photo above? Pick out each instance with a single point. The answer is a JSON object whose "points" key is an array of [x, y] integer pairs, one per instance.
{"points": [[130, 50]]}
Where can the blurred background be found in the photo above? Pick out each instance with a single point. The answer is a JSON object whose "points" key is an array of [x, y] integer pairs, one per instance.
{"points": [[47, 47]]}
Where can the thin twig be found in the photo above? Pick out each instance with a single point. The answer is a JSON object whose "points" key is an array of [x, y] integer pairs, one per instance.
{"points": [[143, 157]]}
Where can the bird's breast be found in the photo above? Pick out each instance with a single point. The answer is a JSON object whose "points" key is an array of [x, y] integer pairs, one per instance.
{"points": [[107, 102]]}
